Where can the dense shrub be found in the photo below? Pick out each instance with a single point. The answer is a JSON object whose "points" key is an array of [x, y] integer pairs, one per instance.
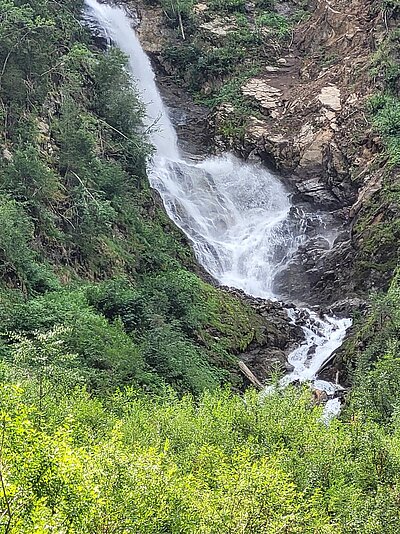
{"points": [[225, 464]]}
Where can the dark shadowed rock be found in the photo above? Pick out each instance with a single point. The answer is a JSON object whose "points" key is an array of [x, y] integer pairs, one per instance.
{"points": [[280, 337]]}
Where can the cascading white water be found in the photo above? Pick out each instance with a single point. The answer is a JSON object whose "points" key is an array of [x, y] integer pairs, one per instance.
{"points": [[234, 213]]}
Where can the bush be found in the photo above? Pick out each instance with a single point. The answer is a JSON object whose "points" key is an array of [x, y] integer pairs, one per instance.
{"points": [[223, 464], [278, 24], [376, 376], [229, 6], [385, 114], [177, 359]]}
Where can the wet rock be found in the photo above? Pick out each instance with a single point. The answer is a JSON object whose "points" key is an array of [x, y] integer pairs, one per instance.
{"points": [[314, 190], [98, 35], [289, 367], [301, 279], [190, 120], [335, 372], [348, 307], [264, 362], [280, 336]]}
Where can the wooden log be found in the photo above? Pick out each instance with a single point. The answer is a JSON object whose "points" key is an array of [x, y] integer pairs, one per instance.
{"points": [[250, 375]]}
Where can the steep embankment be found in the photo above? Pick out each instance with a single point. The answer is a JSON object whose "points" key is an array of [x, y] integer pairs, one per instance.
{"points": [[100, 313], [313, 93], [88, 254]]}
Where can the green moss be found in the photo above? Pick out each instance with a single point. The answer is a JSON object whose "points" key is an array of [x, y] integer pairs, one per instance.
{"points": [[236, 324], [377, 228], [377, 234]]}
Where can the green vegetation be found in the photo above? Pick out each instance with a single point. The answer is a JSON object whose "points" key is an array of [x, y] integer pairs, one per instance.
{"points": [[372, 359], [154, 462], [378, 229], [135, 463], [151, 462], [113, 352], [372, 354], [87, 254]]}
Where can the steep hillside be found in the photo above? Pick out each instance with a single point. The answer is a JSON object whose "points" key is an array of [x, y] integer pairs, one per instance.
{"points": [[314, 94], [87, 251]]}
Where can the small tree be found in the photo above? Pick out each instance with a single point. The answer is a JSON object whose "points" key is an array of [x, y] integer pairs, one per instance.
{"points": [[43, 360]]}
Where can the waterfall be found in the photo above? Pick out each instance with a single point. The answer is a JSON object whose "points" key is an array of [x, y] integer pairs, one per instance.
{"points": [[235, 214]]}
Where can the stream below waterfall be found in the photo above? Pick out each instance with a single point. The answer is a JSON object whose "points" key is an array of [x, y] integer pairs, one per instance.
{"points": [[238, 216]]}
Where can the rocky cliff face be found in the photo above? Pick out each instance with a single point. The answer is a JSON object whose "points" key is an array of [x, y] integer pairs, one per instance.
{"points": [[314, 127], [311, 123], [308, 122], [306, 118]]}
